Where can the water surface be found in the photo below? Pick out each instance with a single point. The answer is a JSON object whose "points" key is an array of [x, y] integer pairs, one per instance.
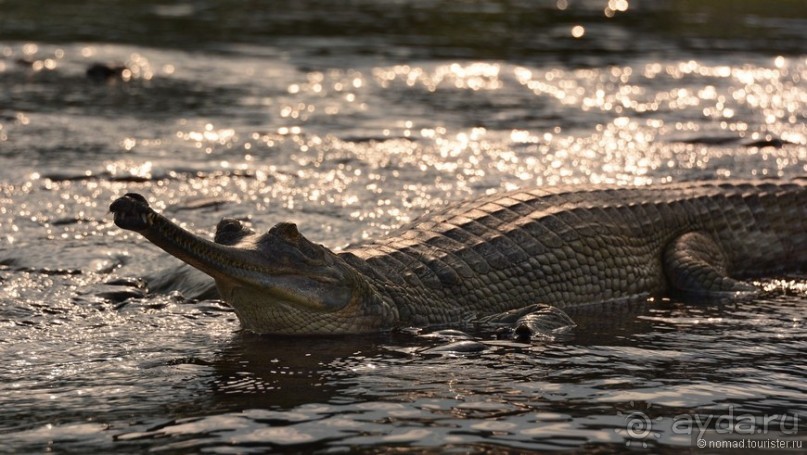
{"points": [[351, 119]]}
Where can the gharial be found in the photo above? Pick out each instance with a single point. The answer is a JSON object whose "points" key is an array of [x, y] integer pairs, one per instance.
{"points": [[564, 247]]}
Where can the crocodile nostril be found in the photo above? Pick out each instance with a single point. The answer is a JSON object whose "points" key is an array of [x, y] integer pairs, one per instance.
{"points": [[137, 197]]}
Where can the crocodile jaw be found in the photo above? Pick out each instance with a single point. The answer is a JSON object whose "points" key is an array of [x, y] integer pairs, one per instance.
{"points": [[132, 212], [277, 283]]}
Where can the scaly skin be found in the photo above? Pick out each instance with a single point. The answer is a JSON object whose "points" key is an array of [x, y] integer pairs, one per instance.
{"points": [[564, 247]]}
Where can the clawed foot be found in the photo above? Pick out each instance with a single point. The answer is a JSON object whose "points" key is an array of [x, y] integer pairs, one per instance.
{"points": [[531, 322]]}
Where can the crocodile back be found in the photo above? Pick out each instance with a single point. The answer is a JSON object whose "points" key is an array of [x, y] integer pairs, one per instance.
{"points": [[567, 246]]}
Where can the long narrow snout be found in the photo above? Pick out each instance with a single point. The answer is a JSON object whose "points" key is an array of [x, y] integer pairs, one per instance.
{"points": [[131, 212], [280, 266]]}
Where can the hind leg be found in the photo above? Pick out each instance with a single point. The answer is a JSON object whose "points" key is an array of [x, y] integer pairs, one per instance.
{"points": [[695, 265]]}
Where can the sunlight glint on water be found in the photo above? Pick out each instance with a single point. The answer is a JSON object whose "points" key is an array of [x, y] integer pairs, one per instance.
{"points": [[294, 115]]}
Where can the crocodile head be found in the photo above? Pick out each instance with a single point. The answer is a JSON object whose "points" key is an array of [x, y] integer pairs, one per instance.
{"points": [[278, 282]]}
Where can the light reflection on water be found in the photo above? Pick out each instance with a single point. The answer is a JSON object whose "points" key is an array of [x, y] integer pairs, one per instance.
{"points": [[260, 393], [350, 148]]}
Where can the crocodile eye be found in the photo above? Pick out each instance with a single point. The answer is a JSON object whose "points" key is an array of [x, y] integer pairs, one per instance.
{"points": [[287, 231], [229, 231], [285, 237], [229, 225]]}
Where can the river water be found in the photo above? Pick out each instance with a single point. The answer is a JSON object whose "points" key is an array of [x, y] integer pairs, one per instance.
{"points": [[352, 118]]}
